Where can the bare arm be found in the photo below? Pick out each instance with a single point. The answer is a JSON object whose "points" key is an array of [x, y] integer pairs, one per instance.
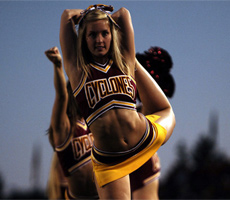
{"points": [[123, 19], [59, 119], [68, 38], [154, 100]]}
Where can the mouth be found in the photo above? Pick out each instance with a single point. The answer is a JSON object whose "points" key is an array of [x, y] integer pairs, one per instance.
{"points": [[99, 48]]}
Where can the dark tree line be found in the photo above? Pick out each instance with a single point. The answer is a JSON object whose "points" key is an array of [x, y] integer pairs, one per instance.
{"points": [[202, 173]]}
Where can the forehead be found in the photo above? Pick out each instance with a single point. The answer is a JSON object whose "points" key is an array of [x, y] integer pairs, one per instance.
{"points": [[98, 25]]}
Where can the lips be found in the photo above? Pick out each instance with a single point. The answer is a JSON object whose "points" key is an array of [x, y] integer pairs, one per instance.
{"points": [[99, 47]]}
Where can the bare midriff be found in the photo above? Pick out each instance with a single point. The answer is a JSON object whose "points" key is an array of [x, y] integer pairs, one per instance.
{"points": [[118, 130]]}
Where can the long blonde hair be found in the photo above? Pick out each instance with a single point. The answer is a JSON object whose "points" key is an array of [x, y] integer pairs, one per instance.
{"points": [[56, 180], [83, 53]]}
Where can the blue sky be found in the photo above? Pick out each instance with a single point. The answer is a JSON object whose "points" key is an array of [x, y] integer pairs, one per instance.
{"points": [[195, 33]]}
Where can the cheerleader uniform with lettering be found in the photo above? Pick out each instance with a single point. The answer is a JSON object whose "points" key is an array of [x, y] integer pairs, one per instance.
{"points": [[74, 153], [106, 88]]}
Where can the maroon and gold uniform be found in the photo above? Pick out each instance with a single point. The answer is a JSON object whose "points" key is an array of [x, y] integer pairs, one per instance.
{"points": [[105, 88], [110, 166], [76, 150]]}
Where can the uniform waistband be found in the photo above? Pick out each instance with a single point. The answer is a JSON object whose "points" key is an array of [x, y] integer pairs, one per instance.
{"points": [[113, 158]]}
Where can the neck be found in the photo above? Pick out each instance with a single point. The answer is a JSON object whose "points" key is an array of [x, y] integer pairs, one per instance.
{"points": [[101, 60]]}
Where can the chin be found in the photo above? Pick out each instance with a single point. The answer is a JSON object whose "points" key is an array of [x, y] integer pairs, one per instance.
{"points": [[102, 55]]}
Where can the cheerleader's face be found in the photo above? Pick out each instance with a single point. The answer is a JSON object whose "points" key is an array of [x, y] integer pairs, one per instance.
{"points": [[98, 39]]}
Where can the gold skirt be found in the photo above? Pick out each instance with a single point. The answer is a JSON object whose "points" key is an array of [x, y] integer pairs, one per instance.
{"points": [[110, 166]]}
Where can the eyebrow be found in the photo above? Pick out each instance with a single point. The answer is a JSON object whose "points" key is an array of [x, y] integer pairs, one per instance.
{"points": [[92, 31]]}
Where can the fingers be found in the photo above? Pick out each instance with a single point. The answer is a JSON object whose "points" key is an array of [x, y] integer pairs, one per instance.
{"points": [[53, 50], [54, 56]]}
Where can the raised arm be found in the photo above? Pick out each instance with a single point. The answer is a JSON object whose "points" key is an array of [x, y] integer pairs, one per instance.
{"points": [[154, 100], [123, 19], [59, 120], [68, 38]]}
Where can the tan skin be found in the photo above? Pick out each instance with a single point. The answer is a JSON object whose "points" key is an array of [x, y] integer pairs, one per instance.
{"points": [[117, 129], [152, 98], [80, 183], [149, 191], [98, 37]]}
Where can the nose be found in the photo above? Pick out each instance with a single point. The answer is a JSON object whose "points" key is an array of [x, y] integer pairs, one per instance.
{"points": [[99, 38]]}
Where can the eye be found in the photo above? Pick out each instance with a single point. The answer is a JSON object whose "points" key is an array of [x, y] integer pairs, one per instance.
{"points": [[92, 35], [105, 33]]}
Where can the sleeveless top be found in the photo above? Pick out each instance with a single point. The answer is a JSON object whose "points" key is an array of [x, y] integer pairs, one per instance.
{"points": [[104, 89], [76, 150]]}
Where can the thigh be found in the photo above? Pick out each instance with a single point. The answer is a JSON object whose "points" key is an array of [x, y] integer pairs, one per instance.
{"points": [[119, 189], [149, 191]]}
